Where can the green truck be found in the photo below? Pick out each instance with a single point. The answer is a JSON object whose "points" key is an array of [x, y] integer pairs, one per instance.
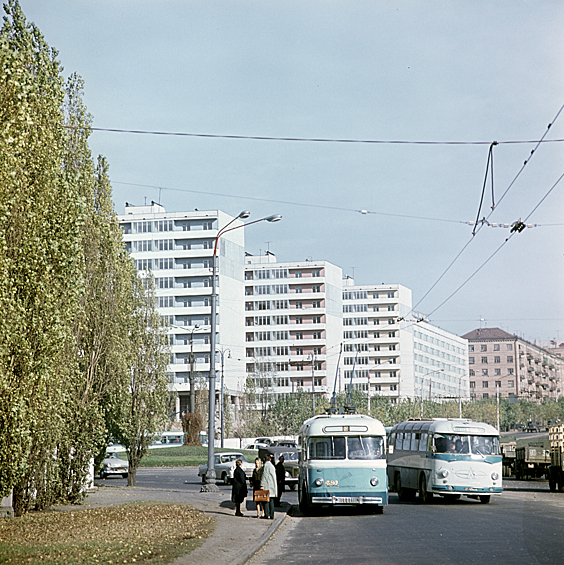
{"points": [[532, 458], [556, 469]]}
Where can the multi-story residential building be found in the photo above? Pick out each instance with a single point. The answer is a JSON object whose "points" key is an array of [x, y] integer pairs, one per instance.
{"points": [[440, 363], [377, 355], [293, 324], [178, 249], [393, 355], [500, 362]]}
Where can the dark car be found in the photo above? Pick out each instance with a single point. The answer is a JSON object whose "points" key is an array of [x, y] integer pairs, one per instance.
{"points": [[290, 461]]}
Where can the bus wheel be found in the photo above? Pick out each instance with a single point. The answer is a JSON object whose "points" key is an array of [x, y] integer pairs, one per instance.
{"points": [[424, 494], [303, 499], [404, 494], [485, 498], [552, 485]]}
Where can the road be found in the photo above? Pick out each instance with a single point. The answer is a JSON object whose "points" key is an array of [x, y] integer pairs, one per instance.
{"points": [[523, 526]]}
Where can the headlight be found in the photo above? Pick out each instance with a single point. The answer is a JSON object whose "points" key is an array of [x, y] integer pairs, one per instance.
{"points": [[318, 482], [373, 481], [443, 473], [495, 476]]}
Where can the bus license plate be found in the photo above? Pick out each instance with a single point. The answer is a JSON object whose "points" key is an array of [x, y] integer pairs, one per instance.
{"points": [[345, 500]]}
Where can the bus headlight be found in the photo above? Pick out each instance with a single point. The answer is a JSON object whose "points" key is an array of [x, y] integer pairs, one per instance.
{"points": [[318, 482], [443, 473], [495, 476], [374, 481]]}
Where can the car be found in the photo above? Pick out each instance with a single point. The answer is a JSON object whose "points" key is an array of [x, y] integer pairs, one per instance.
{"points": [[255, 446], [285, 444], [291, 463], [114, 465], [265, 440], [224, 464]]}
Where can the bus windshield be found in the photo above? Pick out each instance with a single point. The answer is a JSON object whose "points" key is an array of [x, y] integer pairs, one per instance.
{"points": [[478, 445], [351, 447]]}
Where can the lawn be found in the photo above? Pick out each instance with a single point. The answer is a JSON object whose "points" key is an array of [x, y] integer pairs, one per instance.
{"points": [[184, 456], [133, 533]]}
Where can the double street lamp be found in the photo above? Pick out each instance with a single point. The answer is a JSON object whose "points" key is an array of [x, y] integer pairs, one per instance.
{"points": [[210, 477]]}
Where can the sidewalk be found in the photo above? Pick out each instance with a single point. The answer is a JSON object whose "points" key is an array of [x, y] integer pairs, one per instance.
{"points": [[234, 540]]}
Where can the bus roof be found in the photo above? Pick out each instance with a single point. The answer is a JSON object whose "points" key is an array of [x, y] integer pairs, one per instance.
{"points": [[448, 426], [335, 424]]}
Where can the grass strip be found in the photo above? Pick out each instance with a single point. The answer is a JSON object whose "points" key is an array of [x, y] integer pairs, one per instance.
{"points": [[142, 532]]}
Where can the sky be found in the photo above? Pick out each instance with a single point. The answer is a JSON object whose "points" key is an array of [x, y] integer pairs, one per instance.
{"points": [[367, 72]]}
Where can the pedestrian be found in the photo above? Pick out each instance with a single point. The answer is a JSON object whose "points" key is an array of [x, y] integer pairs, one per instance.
{"points": [[280, 479], [239, 490], [268, 482], [255, 483]]}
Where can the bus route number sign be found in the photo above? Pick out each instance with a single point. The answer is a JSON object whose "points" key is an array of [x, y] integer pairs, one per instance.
{"points": [[332, 483]]}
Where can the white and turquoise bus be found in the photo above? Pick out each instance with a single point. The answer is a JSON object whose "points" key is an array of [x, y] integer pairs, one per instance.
{"points": [[445, 456], [342, 461]]}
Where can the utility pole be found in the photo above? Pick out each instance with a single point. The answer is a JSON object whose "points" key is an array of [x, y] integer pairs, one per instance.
{"points": [[192, 387]]}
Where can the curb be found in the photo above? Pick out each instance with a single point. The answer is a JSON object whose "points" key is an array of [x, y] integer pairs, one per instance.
{"points": [[261, 542]]}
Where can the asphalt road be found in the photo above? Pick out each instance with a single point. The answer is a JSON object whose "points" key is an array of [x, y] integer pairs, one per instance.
{"points": [[523, 526]]}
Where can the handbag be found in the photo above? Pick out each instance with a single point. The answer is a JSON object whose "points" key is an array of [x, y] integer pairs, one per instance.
{"points": [[261, 495]]}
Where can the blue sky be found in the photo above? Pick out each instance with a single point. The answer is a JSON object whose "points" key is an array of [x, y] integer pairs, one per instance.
{"points": [[461, 71]]}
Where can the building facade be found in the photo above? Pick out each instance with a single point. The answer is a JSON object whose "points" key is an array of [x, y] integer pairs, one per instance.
{"points": [[177, 248], [500, 362], [292, 325]]}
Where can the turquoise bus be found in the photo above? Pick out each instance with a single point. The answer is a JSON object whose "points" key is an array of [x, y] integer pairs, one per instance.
{"points": [[449, 457], [342, 461]]}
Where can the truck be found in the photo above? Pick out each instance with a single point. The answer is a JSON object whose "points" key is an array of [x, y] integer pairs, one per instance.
{"points": [[556, 469], [507, 445], [532, 458]]}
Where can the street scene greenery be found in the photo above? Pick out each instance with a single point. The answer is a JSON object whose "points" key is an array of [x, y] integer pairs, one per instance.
{"points": [[132, 533], [80, 340]]}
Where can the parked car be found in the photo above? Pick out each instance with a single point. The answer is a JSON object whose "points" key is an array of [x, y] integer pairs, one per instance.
{"points": [[265, 440], [290, 461], [255, 445], [224, 464], [114, 465], [285, 444]]}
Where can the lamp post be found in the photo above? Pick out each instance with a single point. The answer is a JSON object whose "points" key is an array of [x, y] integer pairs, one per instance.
{"points": [[430, 385], [210, 485], [222, 352]]}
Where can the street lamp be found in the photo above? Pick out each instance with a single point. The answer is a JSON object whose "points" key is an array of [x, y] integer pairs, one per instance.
{"points": [[430, 384], [210, 485]]}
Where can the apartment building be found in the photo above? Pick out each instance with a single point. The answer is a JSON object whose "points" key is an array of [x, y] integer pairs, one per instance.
{"points": [[177, 248], [377, 355], [440, 362], [503, 362], [293, 325]]}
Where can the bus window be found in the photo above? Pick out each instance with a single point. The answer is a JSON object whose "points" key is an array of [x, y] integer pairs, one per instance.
{"points": [[399, 440], [327, 448], [423, 442], [485, 445], [406, 441], [415, 441], [441, 443], [364, 447]]}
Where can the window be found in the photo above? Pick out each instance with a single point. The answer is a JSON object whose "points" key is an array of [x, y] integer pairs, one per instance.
{"points": [[316, 288], [390, 294], [498, 384], [299, 335], [299, 350], [483, 347], [484, 372], [316, 304], [297, 274], [316, 335], [299, 382], [510, 371], [298, 290], [510, 384], [391, 334], [390, 321], [392, 347], [497, 359], [470, 348], [315, 273], [510, 358], [393, 387], [485, 384], [470, 360], [298, 305], [377, 388], [317, 350], [472, 384], [484, 359], [472, 372], [391, 308], [485, 396], [317, 381], [497, 372], [299, 320], [496, 346], [316, 319], [509, 347]]}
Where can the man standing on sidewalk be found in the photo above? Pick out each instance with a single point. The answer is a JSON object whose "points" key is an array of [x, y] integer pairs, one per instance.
{"points": [[268, 482], [280, 479]]}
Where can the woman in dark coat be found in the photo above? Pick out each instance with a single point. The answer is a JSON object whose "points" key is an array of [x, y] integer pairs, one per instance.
{"points": [[239, 491]]}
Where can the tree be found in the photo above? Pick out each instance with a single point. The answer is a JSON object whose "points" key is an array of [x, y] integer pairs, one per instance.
{"points": [[39, 263], [139, 409]]}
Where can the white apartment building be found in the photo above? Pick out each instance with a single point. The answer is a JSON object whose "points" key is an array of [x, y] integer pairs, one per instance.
{"points": [[393, 353], [440, 364], [178, 249], [293, 324], [377, 354]]}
